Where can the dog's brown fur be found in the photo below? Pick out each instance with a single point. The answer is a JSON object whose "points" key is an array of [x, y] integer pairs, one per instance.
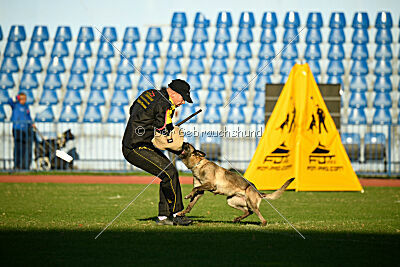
{"points": [[208, 176]]}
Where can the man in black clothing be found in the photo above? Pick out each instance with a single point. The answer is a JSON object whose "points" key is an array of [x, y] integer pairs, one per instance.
{"points": [[152, 113]]}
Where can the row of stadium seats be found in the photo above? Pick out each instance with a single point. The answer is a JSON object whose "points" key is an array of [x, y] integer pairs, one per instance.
{"points": [[374, 146]]}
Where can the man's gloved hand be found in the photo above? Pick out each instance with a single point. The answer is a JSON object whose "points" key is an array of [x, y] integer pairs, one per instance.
{"points": [[173, 141]]}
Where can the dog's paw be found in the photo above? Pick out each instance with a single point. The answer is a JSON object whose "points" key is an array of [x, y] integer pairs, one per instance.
{"points": [[236, 220], [264, 223]]}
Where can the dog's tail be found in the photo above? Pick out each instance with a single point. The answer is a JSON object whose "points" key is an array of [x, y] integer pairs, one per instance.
{"points": [[278, 193]]}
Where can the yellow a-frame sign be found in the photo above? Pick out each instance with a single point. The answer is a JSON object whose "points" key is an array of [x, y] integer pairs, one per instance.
{"points": [[301, 141]]}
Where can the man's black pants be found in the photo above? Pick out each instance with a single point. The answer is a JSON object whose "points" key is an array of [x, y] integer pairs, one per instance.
{"points": [[23, 140], [152, 160]]}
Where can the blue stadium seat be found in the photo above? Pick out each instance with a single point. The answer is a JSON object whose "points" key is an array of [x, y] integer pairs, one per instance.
{"points": [[245, 35], [383, 52], [179, 20], [195, 96], [1, 34], [382, 116], [99, 82], [384, 20], [13, 49], [335, 79], [291, 35], [269, 20], [125, 66], [241, 67], [56, 65], [259, 99], [212, 115], [314, 20], [36, 49], [312, 52], [383, 67], [172, 66], [129, 50], [292, 20], [337, 20], [96, 98], [52, 82], [145, 83], [92, 114], [167, 79], [194, 81], [116, 114], [195, 67], [220, 51], [315, 67], [200, 21], [358, 83], [33, 65], [4, 96], [240, 82], [284, 78], [200, 35], [30, 99], [6, 81], [151, 50], [237, 98], [198, 50], [72, 98], [175, 50], [266, 51], [236, 114], [3, 115], [123, 82], [246, 20], [109, 34], [17, 33], [360, 20], [40, 34], [258, 116], [336, 36], [222, 35], [383, 36], [103, 66], [188, 110], [83, 50], [76, 82], [382, 100], [85, 34], [63, 34], [131, 35], [68, 114], [219, 67], [358, 100], [314, 36], [154, 34], [216, 83], [336, 52], [359, 68], [177, 35], [106, 50], [46, 115], [49, 97], [243, 51], [335, 68], [357, 117], [149, 66], [383, 83], [290, 52], [214, 98], [268, 36], [261, 81], [60, 49], [360, 36], [265, 67], [9, 65], [360, 52], [224, 19], [286, 67]]}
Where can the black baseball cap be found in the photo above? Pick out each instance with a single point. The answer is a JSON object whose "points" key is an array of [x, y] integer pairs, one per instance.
{"points": [[181, 87]]}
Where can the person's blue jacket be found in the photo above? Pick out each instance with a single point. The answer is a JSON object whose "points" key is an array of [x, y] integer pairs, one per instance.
{"points": [[21, 116]]}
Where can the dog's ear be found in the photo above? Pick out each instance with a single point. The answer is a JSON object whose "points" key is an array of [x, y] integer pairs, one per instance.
{"points": [[199, 153]]}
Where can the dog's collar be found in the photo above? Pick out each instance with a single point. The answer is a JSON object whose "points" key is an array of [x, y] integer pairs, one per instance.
{"points": [[197, 163]]}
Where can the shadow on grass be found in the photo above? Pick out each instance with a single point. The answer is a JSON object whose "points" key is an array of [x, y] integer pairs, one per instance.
{"points": [[195, 246], [199, 219]]}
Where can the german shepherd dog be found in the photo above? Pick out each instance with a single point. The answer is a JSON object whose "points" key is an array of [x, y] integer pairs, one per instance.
{"points": [[208, 176]]}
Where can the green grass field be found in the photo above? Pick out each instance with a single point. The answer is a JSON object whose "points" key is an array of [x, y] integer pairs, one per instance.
{"points": [[55, 224]]}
